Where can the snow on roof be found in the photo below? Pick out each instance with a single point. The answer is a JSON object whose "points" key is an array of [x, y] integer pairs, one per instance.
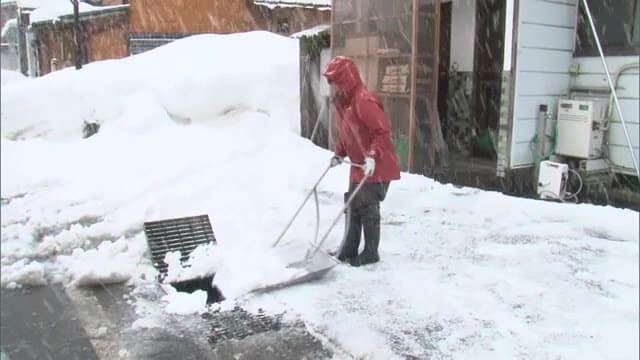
{"points": [[30, 4], [318, 4], [9, 26], [312, 31], [54, 10]]}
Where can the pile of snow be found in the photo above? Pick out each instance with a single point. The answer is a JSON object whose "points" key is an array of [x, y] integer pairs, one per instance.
{"points": [[8, 77], [65, 193], [23, 273], [111, 262], [208, 125], [260, 266], [192, 81]]}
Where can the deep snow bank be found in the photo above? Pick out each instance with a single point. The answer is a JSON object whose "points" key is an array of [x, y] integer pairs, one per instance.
{"points": [[8, 77], [193, 80], [206, 124]]}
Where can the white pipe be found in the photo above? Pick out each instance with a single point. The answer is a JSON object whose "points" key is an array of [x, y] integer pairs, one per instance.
{"points": [[612, 88]]}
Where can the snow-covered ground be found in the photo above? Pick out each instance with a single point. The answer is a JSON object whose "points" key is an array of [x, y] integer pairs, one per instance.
{"points": [[208, 125], [8, 77]]}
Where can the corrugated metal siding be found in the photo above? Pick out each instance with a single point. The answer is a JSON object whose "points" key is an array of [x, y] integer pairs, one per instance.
{"points": [[141, 42], [591, 74], [545, 41]]}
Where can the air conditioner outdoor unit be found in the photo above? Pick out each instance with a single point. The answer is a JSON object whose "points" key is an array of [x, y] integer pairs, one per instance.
{"points": [[580, 132]]}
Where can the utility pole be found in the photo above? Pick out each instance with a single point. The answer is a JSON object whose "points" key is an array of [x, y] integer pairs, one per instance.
{"points": [[77, 36]]}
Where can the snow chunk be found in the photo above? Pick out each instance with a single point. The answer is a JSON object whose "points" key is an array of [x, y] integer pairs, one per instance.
{"points": [[146, 323], [183, 303], [245, 268], [23, 272], [111, 262], [238, 269], [202, 262]]}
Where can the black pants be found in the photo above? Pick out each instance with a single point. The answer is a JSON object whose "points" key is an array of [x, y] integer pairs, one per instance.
{"points": [[363, 214]]}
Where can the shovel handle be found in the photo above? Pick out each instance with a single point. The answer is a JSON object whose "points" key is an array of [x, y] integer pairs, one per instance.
{"points": [[353, 194], [349, 162], [313, 190]]}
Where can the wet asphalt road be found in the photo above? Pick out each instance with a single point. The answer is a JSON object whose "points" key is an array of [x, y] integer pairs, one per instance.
{"points": [[55, 323]]}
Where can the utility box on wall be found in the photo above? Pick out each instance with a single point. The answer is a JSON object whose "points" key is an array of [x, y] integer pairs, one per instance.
{"points": [[552, 180], [581, 126]]}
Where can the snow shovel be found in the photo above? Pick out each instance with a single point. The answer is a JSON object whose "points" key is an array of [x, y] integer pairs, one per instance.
{"points": [[315, 264]]}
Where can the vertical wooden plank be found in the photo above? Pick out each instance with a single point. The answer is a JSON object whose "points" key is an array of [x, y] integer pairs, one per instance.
{"points": [[331, 140], [439, 146], [412, 98]]}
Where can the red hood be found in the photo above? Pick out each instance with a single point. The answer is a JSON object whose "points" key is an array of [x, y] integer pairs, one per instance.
{"points": [[344, 73]]}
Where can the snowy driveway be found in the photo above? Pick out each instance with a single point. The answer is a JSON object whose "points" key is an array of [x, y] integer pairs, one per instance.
{"points": [[471, 275], [465, 274]]}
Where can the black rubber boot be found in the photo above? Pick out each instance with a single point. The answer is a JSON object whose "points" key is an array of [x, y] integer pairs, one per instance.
{"points": [[352, 236], [371, 224]]}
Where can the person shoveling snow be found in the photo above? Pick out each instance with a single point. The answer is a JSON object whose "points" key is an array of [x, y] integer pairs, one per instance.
{"points": [[364, 135]]}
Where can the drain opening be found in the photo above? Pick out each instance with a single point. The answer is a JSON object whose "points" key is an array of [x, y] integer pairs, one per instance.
{"points": [[182, 235], [214, 295], [238, 324]]}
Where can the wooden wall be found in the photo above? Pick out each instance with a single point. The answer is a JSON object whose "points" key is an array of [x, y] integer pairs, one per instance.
{"points": [[193, 16], [107, 38], [104, 38]]}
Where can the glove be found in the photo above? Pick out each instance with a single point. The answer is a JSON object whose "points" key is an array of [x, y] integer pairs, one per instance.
{"points": [[336, 160], [369, 166]]}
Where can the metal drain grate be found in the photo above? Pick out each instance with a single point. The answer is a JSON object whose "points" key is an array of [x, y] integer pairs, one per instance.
{"points": [[238, 324], [179, 234]]}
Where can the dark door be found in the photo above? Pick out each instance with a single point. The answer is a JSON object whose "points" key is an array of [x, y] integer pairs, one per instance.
{"points": [[444, 61], [488, 63]]}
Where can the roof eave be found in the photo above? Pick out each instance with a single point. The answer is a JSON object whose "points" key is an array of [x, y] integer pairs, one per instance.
{"points": [[87, 15], [279, 4]]}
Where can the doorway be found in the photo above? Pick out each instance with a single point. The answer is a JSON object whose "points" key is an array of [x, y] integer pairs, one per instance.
{"points": [[487, 79]]}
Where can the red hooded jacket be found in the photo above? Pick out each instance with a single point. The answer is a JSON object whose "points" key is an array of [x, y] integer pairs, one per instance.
{"points": [[363, 128]]}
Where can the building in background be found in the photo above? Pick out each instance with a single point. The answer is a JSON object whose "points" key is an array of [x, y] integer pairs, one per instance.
{"points": [[38, 34], [10, 57], [103, 30], [157, 22], [464, 80]]}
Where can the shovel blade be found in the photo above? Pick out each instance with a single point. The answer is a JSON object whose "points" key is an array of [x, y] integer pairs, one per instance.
{"points": [[314, 269]]}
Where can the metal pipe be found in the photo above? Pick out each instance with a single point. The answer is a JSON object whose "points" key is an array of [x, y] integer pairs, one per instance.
{"points": [[313, 190], [622, 69], [612, 87]]}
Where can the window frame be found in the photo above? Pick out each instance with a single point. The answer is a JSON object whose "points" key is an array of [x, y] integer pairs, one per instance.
{"points": [[630, 48]]}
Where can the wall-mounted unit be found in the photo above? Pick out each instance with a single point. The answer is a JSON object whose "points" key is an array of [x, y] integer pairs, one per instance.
{"points": [[581, 127], [552, 180]]}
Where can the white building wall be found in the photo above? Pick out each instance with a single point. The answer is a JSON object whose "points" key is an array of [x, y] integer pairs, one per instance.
{"points": [[545, 41], [591, 74]]}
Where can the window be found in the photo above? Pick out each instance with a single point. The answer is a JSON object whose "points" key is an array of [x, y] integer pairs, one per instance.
{"points": [[617, 23]]}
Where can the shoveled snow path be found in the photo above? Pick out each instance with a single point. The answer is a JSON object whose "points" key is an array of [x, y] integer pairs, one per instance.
{"points": [[523, 279]]}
